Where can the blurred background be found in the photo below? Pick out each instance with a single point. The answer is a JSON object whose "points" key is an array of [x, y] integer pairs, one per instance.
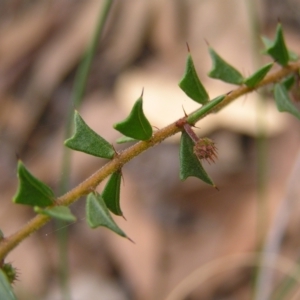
{"points": [[178, 227]]}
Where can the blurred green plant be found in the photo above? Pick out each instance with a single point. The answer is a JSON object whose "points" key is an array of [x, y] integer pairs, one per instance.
{"points": [[136, 127]]}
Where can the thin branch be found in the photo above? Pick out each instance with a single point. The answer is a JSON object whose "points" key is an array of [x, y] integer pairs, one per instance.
{"points": [[84, 188]]}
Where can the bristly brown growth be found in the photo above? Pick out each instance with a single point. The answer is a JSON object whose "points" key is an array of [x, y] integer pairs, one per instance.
{"points": [[205, 149], [10, 272]]}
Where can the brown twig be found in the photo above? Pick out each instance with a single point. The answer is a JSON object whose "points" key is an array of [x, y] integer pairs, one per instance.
{"points": [[10, 242]]}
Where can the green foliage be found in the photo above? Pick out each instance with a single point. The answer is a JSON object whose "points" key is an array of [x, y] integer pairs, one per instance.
{"points": [[258, 76], [97, 214], [111, 193], [224, 71], [190, 165], [88, 141], [6, 292], [136, 125], [32, 191], [293, 56], [283, 101], [288, 82], [10, 272], [125, 139], [191, 84], [193, 117], [277, 49], [57, 212]]}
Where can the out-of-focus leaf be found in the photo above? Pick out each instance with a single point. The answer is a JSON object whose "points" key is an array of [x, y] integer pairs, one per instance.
{"points": [[258, 76], [293, 56], [190, 165], [97, 214], [224, 71], [267, 42], [277, 49], [111, 193], [191, 84], [136, 125], [283, 101], [6, 291], [288, 82], [88, 141], [32, 191], [57, 212]]}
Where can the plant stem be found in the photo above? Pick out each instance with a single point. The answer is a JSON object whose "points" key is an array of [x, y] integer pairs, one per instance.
{"points": [[85, 66], [10, 242], [204, 110], [80, 86], [261, 286], [77, 96], [288, 283]]}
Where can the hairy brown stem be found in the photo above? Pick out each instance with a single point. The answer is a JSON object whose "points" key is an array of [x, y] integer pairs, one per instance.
{"points": [[10, 242]]}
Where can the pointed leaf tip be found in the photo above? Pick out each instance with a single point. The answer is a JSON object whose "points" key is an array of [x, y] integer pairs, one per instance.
{"points": [[97, 214], [88, 141], [188, 47], [191, 84], [32, 191], [222, 70], [190, 165], [277, 49], [206, 42], [136, 125], [111, 193]]}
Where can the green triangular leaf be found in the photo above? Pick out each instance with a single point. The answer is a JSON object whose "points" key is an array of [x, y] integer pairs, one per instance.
{"points": [[191, 84], [277, 49], [136, 124], [224, 71], [32, 191], [97, 214], [258, 76], [111, 193], [125, 139], [288, 82], [283, 101], [189, 163], [267, 42], [57, 212], [88, 141], [6, 291]]}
